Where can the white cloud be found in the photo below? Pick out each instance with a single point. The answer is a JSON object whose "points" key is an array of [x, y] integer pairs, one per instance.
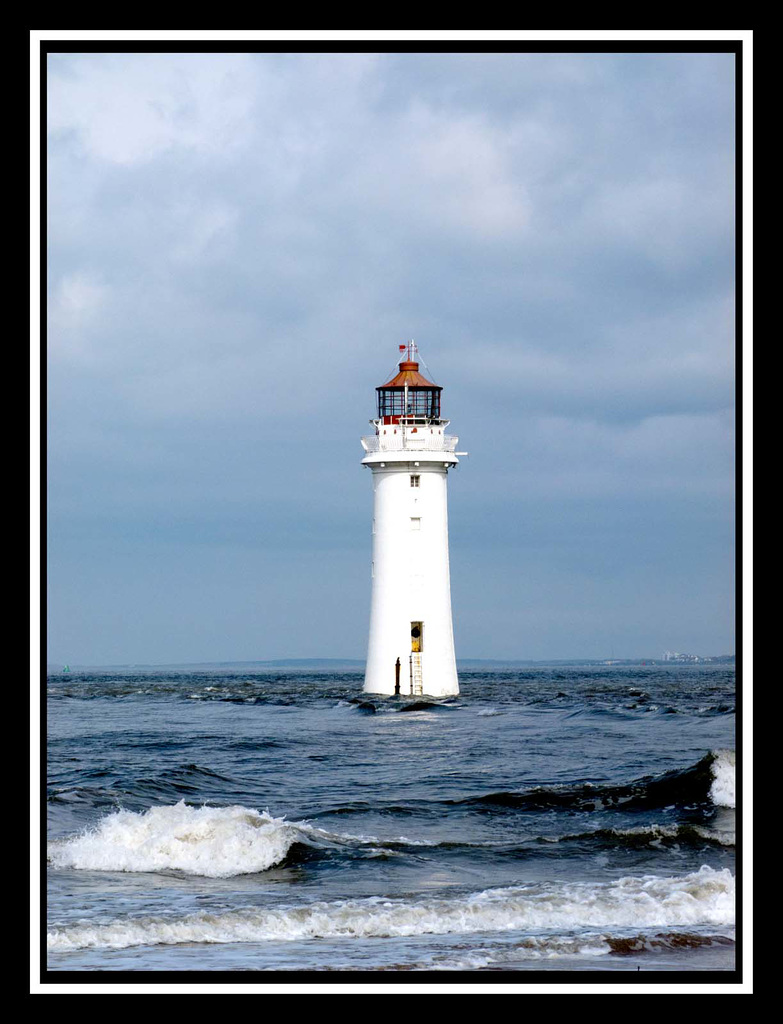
{"points": [[127, 109]]}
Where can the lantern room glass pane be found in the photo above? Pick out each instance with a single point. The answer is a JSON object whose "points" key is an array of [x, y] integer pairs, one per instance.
{"points": [[424, 403]]}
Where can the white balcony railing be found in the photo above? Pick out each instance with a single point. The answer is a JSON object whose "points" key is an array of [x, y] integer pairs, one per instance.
{"points": [[420, 441]]}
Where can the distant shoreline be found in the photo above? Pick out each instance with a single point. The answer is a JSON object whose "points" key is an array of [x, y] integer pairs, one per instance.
{"points": [[355, 664]]}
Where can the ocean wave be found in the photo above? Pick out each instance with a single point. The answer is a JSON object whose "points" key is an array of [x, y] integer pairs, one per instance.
{"points": [[722, 791], [675, 836], [183, 781], [318, 844], [704, 898], [227, 841], [555, 947], [221, 842], [709, 781], [216, 842], [654, 835]]}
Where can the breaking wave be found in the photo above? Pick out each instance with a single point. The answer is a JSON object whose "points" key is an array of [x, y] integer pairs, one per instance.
{"points": [[216, 842], [722, 791], [709, 781], [220, 842], [702, 899]]}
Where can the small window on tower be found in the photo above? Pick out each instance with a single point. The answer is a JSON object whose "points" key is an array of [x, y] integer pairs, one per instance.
{"points": [[415, 479], [415, 524]]}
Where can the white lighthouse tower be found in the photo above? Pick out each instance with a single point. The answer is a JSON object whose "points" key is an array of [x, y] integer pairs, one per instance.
{"points": [[411, 646]]}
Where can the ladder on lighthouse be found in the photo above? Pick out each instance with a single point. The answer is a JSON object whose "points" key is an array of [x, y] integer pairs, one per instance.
{"points": [[417, 687]]}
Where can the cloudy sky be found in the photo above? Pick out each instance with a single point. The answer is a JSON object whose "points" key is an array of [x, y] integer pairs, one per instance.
{"points": [[237, 245]]}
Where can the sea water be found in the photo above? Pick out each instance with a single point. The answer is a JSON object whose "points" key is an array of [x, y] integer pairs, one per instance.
{"points": [[561, 818]]}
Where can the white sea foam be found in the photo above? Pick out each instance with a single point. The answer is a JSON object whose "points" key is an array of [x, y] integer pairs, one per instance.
{"points": [[550, 947], [217, 842], [703, 898], [556, 947], [657, 833], [723, 771]]}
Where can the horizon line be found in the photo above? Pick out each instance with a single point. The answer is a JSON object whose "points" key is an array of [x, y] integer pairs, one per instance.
{"points": [[362, 661]]}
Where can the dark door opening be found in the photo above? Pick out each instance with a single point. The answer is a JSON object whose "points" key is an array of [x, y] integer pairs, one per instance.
{"points": [[417, 637]]}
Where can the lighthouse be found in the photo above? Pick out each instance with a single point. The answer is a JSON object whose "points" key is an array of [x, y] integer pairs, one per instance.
{"points": [[411, 643]]}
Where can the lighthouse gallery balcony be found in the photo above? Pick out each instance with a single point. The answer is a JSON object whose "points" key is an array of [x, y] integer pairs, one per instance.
{"points": [[399, 438]]}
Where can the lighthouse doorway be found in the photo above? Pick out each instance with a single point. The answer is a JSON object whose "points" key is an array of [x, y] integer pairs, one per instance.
{"points": [[417, 637], [417, 646]]}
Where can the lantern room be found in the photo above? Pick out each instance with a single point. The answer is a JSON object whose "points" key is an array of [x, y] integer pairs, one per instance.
{"points": [[409, 397]]}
